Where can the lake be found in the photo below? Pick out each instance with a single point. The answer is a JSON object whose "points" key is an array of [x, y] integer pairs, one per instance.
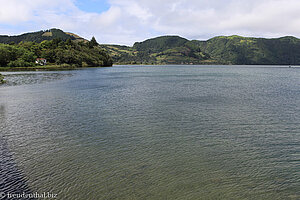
{"points": [[152, 132]]}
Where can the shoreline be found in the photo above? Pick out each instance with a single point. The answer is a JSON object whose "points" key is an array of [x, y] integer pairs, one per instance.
{"points": [[64, 68]]}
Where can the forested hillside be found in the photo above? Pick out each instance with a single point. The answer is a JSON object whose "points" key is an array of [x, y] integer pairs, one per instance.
{"points": [[219, 50]]}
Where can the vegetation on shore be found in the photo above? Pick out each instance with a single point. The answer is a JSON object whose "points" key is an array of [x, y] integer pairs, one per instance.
{"points": [[65, 54]]}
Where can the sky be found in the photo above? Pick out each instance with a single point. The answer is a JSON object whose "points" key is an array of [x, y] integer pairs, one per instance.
{"points": [[128, 21]]}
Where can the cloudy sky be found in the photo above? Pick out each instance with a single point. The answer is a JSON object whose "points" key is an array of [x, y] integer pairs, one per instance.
{"points": [[127, 21]]}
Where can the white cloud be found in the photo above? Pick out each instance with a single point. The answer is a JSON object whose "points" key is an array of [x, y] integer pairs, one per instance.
{"points": [[134, 20], [17, 11], [13, 12]]}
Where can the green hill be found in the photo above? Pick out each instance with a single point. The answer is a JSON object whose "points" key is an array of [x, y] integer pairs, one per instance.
{"points": [[60, 50], [161, 50], [39, 36], [218, 50]]}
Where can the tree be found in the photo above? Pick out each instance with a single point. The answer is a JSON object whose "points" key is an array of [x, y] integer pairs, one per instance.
{"points": [[4, 55], [93, 43]]}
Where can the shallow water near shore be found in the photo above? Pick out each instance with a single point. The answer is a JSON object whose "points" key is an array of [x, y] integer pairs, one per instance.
{"points": [[154, 132]]}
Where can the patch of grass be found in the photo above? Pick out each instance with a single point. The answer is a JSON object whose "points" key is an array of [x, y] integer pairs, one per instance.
{"points": [[47, 34]]}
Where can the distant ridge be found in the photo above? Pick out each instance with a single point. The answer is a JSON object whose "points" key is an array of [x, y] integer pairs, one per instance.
{"points": [[235, 50]]}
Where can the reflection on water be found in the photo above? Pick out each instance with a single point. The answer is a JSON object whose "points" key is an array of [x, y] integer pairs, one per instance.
{"points": [[11, 179], [158, 132]]}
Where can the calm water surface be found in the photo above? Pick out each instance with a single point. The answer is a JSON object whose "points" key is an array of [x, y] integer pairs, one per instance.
{"points": [[153, 132]]}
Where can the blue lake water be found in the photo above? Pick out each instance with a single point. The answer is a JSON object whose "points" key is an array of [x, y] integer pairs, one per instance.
{"points": [[153, 132]]}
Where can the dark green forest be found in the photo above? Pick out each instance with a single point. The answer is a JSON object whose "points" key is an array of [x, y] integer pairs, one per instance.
{"points": [[66, 53]]}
